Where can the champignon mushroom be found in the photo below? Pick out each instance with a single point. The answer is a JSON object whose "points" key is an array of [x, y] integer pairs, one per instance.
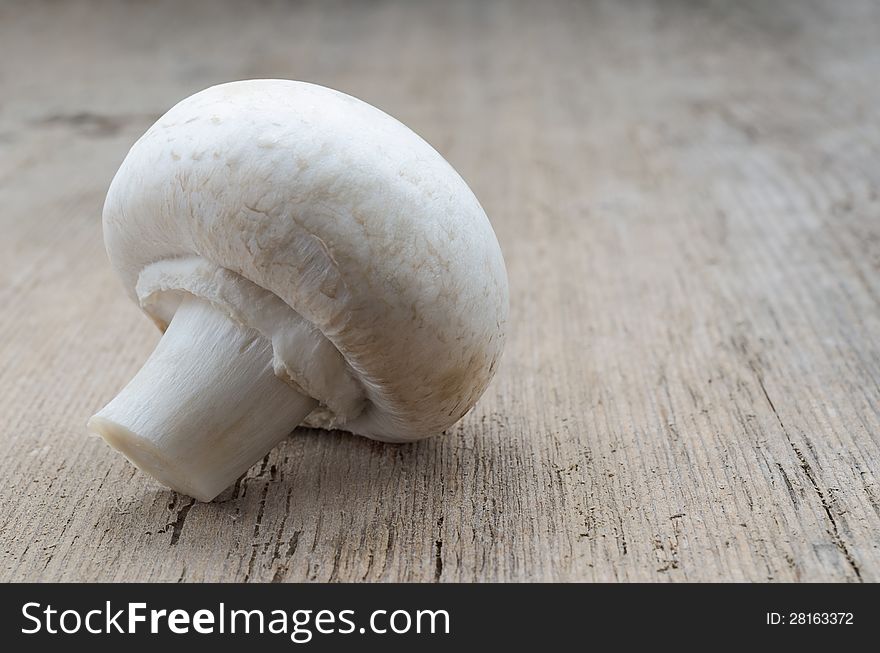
{"points": [[310, 259]]}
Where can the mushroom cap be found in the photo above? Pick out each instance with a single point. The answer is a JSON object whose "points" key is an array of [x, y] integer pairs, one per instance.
{"points": [[343, 214]]}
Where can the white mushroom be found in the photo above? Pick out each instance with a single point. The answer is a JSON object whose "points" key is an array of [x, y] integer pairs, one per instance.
{"points": [[313, 260]]}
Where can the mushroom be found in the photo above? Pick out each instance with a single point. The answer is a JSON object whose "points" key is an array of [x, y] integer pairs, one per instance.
{"points": [[310, 260]]}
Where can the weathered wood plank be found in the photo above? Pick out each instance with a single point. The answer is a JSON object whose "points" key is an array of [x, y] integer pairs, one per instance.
{"points": [[687, 198]]}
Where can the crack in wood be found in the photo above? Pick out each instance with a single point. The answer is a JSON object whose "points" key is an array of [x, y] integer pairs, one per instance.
{"points": [[833, 529], [438, 551], [177, 525]]}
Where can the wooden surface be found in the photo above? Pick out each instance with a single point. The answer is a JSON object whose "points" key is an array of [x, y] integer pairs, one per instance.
{"points": [[687, 197]]}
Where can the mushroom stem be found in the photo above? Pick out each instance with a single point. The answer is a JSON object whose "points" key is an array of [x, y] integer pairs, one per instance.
{"points": [[205, 406]]}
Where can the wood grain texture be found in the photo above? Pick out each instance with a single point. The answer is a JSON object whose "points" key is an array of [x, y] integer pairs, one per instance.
{"points": [[687, 197]]}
